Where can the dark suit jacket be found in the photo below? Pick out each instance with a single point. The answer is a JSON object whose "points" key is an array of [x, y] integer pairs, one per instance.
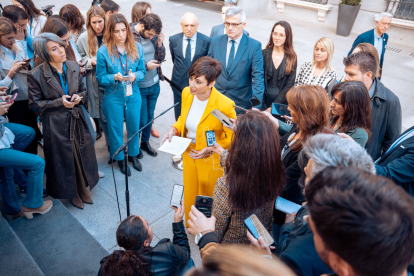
{"points": [[398, 164], [368, 37], [245, 78], [285, 82], [299, 251], [386, 121], [180, 69], [219, 30]]}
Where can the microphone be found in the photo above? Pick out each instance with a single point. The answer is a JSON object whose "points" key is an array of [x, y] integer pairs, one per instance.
{"points": [[149, 123]]}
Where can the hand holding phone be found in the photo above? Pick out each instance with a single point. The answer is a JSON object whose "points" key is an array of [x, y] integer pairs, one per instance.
{"points": [[257, 229], [177, 195], [210, 138], [204, 204], [12, 99], [75, 99]]}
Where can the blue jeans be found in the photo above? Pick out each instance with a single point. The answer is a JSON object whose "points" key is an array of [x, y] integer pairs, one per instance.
{"points": [[116, 106], [183, 270], [149, 97], [15, 158]]}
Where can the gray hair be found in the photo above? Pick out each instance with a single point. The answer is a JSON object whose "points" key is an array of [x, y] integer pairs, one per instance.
{"points": [[383, 14], [232, 11], [39, 45], [327, 150]]}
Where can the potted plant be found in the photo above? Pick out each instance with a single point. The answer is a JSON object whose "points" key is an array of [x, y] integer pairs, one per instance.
{"points": [[347, 13]]}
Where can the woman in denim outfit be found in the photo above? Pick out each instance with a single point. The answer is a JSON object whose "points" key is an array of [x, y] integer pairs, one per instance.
{"points": [[119, 61]]}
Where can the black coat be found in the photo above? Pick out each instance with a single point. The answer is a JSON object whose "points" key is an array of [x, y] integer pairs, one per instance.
{"points": [[386, 121], [60, 126], [181, 68], [167, 258], [285, 82], [398, 164]]}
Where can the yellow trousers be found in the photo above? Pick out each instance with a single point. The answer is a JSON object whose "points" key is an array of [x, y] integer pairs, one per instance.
{"points": [[200, 176]]}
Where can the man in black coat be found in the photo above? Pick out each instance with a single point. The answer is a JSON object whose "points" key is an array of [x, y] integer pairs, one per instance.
{"points": [[186, 48], [398, 162], [385, 105]]}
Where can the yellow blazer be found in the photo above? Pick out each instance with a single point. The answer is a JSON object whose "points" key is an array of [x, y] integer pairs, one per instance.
{"points": [[208, 121]]}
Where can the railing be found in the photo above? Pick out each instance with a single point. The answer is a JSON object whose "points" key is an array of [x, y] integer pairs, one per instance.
{"points": [[324, 2], [402, 9]]}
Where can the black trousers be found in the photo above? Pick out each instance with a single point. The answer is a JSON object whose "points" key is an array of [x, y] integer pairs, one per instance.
{"points": [[177, 108], [20, 113]]}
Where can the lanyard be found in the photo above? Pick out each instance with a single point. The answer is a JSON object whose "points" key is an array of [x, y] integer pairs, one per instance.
{"points": [[126, 69], [64, 87], [309, 81], [31, 21]]}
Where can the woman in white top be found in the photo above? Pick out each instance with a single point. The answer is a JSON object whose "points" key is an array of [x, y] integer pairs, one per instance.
{"points": [[319, 71], [201, 171], [36, 18]]}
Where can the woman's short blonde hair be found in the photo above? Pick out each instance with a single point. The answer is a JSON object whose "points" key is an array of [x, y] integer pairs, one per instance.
{"points": [[328, 45]]}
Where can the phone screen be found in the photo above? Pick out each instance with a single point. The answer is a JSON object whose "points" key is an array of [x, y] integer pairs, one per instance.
{"points": [[14, 97], [211, 138], [280, 109], [177, 195], [204, 204]]}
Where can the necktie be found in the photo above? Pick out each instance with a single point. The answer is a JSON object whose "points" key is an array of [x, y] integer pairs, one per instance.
{"points": [[188, 53], [231, 56]]}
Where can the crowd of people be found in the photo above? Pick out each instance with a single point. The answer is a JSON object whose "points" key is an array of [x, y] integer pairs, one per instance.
{"points": [[68, 80]]}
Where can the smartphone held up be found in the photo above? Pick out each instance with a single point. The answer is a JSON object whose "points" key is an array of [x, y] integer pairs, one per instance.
{"points": [[204, 204]]}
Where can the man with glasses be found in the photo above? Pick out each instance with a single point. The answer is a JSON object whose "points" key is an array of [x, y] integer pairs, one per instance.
{"points": [[186, 48], [377, 37], [242, 62], [221, 29]]}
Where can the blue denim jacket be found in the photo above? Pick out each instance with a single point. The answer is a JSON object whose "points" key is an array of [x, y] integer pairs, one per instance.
{"points": [[107, 67]]}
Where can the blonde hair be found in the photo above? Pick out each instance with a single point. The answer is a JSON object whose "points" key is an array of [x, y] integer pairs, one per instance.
{"points": [[328, 45], [236, 260], [92, 38], [131, 48], [7, 27]]}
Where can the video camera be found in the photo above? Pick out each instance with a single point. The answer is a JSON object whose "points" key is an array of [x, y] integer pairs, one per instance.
{"points": [[96, 2], [47, 10]]}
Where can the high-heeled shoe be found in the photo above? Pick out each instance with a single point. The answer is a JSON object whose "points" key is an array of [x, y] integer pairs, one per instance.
{"points": [[29, 212], [86, 198], [77, 202]]}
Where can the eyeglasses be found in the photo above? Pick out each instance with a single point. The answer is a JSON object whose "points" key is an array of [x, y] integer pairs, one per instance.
{"points": [[278, 35], [234, 25], [67, 40]]}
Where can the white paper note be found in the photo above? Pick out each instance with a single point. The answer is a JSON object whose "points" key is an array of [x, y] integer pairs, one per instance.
{"points": [[177, 146]]}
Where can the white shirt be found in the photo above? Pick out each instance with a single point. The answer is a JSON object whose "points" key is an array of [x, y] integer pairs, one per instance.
{"points": [[378, 43], [236, 46], [193, 41], [37, 25], [194, 116]]}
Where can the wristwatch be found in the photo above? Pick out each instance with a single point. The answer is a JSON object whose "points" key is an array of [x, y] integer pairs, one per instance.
{"points": [[200, 235]]}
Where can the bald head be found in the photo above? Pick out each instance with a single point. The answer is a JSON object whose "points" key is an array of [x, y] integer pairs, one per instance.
{"points": [[189, 24]]}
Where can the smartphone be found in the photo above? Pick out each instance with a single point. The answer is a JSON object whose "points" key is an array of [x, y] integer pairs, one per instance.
{"points": [[280, 109], [240, 108], [15, 96], [221, 117], [204, 204], [286, 206], [254, 102], [27, 60], [72, 100], [83, 61], [210, 138], [159, 62], [177, 195], [327, 131], [257, 229]]}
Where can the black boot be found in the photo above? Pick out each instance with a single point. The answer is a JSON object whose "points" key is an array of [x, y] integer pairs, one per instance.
{"points": [[145, 146], [135, 163], [140, 154], [121, 164], [98, 129]]}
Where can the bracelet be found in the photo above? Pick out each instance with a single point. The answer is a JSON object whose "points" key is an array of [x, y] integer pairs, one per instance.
{"points": [[176, 129]]}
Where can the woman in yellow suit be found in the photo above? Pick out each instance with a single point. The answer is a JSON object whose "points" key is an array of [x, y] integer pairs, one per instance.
{"points": [[198, 101]]}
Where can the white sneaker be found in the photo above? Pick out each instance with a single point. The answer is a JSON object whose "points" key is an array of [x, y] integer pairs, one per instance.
{"points": [[101, 174]]}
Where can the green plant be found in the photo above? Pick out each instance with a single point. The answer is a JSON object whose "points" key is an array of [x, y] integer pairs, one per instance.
{"points": [[351, 2]]}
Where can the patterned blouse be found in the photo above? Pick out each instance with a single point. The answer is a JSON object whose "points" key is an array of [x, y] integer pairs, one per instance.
{"points": [[305, 74], [230, 226]]}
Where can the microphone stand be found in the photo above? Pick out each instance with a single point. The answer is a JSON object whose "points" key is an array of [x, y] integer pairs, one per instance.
{"points": [[124, 148]]}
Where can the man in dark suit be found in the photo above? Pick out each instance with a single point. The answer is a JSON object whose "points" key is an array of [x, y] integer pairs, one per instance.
{"points": [[385, 105], [221, 29], [186, 48], [241, 59], [377, 36], [398, 162]]}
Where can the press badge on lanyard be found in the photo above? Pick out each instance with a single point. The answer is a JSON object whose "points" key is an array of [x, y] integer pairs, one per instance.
{"points": [[127, 84]]}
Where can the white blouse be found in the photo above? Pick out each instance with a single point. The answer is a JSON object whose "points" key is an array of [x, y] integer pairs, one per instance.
{"points": [[194, 116], [37, 25]]}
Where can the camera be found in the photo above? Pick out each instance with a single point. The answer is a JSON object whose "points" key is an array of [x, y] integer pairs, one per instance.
{"points": [[47, 10], [96, 2]]}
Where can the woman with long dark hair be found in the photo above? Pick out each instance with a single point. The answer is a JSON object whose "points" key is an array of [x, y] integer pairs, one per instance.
{"points": [[279, 64], [120, 66], [72, 15], [166, 258], [36, 18], [254, 177], [351, 111]]}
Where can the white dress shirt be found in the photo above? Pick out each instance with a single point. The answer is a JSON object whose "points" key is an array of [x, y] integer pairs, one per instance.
{"points": [[378, 43], [193, 41], [236, 46]]}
